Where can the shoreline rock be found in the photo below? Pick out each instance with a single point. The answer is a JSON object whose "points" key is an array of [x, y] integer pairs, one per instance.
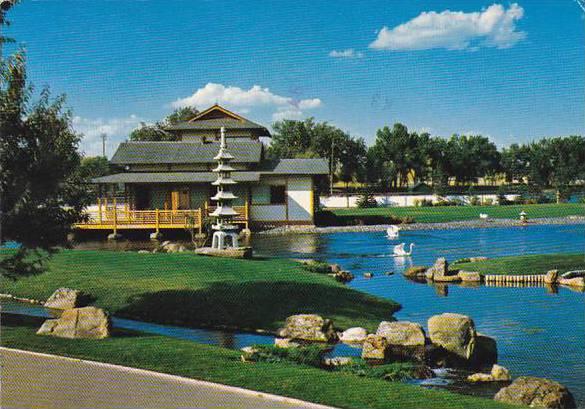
{"points": [[536, 393], [308, 327], [78, 323]]}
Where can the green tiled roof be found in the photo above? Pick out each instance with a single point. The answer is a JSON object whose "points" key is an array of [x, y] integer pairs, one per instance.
{"points": [[217, 123], [129, 153], [295, 166], [173, 177]]}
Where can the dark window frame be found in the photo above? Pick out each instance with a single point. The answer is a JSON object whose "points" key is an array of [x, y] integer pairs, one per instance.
{"points": [[277, 194]]}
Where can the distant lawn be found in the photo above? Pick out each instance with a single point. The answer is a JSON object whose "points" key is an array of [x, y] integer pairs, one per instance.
{"points": [[220, 365], [456, 213], [531, 264], [190, 290]]}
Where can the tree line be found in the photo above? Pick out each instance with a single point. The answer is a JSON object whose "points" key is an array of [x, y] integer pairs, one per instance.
{"points": [[400, 157]]}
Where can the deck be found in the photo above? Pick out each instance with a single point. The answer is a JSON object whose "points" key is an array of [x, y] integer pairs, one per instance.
{"points": [[120, 217]]}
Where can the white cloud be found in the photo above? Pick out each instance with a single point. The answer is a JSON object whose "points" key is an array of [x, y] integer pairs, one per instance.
{"points": [[242, 100], [455, 30], [116, 129], [348, 53]]}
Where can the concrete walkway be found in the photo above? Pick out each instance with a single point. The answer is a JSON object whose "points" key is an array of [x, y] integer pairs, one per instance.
{"points": [[33, 380]]}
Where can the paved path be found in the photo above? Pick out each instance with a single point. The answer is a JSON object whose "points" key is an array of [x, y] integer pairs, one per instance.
{"points": [[32, 380]]}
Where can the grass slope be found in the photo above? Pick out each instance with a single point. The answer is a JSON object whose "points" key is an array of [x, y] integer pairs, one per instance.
{"points": [[456, 213], [190, 290], [530, 264], [216, 364]]}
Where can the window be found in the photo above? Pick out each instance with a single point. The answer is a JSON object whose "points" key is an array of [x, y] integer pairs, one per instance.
{"points": [[277, 194]]}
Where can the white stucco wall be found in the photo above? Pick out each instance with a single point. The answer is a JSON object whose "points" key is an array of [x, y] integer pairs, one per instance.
{"points": [[400, 200], [299, 197]]}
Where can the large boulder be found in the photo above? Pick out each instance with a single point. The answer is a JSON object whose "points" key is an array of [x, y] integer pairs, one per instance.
{"points": [[356, 335], [86, 322], [63, 299], [536, 393], [406, 340], [572, 281], [453, 332], [439, 269], [375, 348], [485, 352], [402, 333], [308, 327]]}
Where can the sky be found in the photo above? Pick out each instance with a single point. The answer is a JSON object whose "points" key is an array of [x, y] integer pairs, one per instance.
{"points": [[512, 71]]}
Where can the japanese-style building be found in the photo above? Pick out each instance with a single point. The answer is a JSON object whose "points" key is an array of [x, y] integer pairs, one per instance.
{"points": [[167, 185]]}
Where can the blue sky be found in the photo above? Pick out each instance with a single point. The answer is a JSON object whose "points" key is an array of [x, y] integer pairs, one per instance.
{"points": [[511, 71]]}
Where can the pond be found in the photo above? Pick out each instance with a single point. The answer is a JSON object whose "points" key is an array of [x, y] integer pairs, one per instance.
{"points": [[538, 333]]}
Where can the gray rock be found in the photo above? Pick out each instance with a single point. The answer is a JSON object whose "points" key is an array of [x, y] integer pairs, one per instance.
{"points": [[285, 343], [469, 276], [551, 277], [402, 333], [439, 269], [415, 272], [375, 348], [86, 322], [338, 361], [63, 298], [308, 327], [536, 393], [497, 374], [356, 335]]}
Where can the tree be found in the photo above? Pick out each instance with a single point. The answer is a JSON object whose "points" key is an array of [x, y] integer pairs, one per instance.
{"points": [[42, 191], [157, 131], [93, 167]]}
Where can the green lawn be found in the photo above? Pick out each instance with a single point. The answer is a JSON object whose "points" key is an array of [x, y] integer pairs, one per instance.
{"points": [[455, 213], [531, 264], [216, 364], [190, 290]]}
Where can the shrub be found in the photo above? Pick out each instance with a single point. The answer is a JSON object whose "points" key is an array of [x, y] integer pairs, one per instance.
{"points": [[311, 355], [488, 201], [474, 201], [366, 200], [318, 267], [394, 372], [326, 218]]}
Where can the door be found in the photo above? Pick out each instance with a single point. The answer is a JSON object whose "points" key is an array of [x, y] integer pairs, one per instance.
{"points": [[180, 199]]}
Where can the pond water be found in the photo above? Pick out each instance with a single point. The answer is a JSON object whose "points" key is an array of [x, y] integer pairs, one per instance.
{"points": [[539, 332]]}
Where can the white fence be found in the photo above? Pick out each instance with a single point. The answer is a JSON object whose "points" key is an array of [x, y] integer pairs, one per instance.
{"points": [[403, 200]]}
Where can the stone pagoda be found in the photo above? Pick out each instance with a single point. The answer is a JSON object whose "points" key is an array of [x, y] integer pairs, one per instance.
{"points": [[225, 235]]}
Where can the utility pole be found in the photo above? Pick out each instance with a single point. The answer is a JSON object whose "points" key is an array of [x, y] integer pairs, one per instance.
{"points": [[5, 5], [104, 137]]}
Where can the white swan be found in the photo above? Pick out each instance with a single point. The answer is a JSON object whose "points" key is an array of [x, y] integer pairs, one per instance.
{"points": [[392, 232], [399, 250], [484, 216]]}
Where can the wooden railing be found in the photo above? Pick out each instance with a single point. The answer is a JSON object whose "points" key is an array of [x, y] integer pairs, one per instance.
{"points": [[118, 218], [113, 216]]}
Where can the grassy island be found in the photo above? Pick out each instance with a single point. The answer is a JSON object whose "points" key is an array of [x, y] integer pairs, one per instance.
{"points": [[191, 360], [529, 264], [442, 214], [189, 290]]}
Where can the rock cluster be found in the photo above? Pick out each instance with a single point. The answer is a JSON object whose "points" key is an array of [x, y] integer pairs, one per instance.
{"points": [[497, 374], [85, 322], [536, 393], [439, 272]]}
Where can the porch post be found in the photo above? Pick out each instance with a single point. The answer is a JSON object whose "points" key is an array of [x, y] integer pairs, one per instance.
{"points": [[100, 219], [247, 211], [115, 215], [157, 220], [200, 211]]}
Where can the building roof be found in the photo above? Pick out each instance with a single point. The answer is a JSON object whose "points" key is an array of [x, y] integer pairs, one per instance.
{"points": [[216, 117], [277, 167], [173, 177], [317, 166], [130, 153]]}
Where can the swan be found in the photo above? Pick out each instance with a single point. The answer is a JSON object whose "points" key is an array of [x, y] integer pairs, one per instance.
{"points": [[483, 216], [399, 250], [392, 232]]}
